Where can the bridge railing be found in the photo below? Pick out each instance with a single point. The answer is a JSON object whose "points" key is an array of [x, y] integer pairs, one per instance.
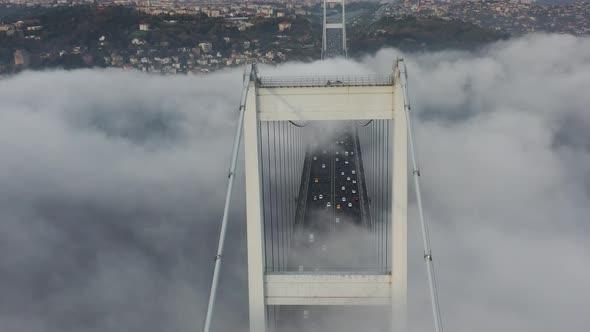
{"points": [[324, 81]]}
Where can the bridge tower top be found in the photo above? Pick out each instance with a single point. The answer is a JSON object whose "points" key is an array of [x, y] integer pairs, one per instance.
{"points": [[334, 30], [278, 101]]}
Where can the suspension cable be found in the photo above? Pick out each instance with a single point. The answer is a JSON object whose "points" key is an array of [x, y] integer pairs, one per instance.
{"points": [[272, 190], [230, 186], [358, 123], [389, 213], [265, 193], [416, 175], [297, 125]]}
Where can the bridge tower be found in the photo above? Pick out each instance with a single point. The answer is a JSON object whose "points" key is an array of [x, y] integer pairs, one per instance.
{"points": [[306, 99], [334, 29]]}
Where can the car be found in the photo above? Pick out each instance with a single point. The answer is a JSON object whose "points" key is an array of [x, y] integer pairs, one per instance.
{"points": [[353, 172], [346, 153], [343, 188], [337, 159], [324, 247], [341, 142], [337, 206], [348, 178], [311, 238], [343, 199], [356, 198], [349, 204], [315, 197], [323, 165], [342, 173], [325, 151], [305, 314], [351, 153], [346, 162], [337, 152], [353, 191], [328, 204], [321, 196], [315, 158], [316, 180], [353, 181], [337, 220]]}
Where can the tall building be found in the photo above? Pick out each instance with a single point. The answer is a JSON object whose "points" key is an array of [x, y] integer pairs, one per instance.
{"points": [[21, 58]]}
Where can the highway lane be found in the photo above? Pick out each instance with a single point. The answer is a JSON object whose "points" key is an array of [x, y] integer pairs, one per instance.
{"points": [[334, 204], [329, 238]]}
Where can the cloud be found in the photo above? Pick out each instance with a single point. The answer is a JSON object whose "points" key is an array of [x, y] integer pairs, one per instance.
{"points": [[112, 186], [109, 192]]}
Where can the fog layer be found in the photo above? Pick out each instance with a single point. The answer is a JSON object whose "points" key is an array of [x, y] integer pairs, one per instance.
{"points": [[112, 186]]}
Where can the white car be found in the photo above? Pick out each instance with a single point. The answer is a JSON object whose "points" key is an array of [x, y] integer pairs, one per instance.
{"points": [[342, 173], [348, 178], [315, 158], [343, 188], [346, 162], [337, 220], [323, 165], [321, 196], [353, 191], [353, 172], [337, 159], [351, 153], [343, 199], [328, 204], [349, 204], [305, 314], [353, 181], [346, 153], [311, 238], [315, 197]]}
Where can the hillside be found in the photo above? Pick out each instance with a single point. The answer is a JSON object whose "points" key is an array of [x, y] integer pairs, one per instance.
{"points": [[88, 36], [420, 34]]}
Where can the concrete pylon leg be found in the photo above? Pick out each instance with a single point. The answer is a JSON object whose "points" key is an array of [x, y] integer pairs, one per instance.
{"points": [[399, 206], [254, 216]]}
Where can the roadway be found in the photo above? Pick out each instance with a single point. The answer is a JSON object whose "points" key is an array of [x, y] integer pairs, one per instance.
{"points": [[334, 206], [331, 235]]}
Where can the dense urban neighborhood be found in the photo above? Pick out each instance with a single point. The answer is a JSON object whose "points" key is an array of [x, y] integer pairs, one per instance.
{"points": [[514, 17], [170, 37]]}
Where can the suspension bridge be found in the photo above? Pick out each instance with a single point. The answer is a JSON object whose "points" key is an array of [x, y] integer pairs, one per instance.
{"points": [[326, 166]]}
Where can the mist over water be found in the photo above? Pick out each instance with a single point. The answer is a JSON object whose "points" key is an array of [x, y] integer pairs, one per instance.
{"points": [[112, 186]]}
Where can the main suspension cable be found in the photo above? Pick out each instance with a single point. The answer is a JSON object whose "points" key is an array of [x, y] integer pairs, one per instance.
{"points": [[416, 175], [230, 186]]}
